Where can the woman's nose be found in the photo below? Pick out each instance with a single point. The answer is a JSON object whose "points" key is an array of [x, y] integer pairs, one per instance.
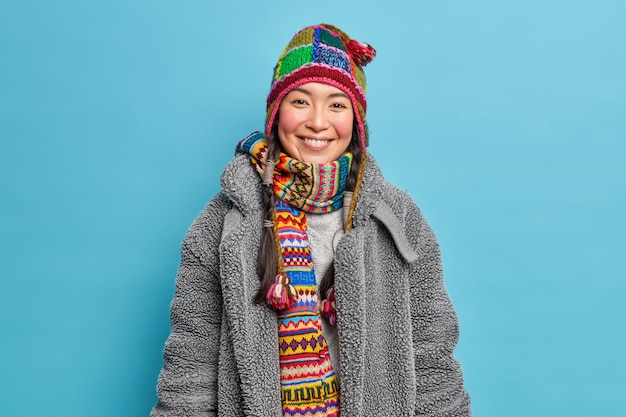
{"points": [[318, 120]]}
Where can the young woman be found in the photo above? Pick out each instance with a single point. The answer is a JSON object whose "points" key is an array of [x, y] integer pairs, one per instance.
{"points": [[310, 286]]}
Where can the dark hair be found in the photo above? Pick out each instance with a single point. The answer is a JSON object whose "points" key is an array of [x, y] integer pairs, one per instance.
{"points": [[267, 261]]}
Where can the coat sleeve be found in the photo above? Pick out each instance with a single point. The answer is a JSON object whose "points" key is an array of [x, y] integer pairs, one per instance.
{"points": [[439, 379], [187, 384]]}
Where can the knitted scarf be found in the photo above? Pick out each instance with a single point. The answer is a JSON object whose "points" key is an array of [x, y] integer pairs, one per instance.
{"points": [[308, 383]]}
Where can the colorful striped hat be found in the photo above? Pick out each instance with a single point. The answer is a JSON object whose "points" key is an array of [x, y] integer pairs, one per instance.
{"points": [[322, 53]]}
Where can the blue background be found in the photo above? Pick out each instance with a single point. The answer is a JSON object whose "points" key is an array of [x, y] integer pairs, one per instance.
{"points": [[504, 120]]}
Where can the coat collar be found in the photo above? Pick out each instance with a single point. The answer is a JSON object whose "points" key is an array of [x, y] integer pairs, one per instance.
{"points": [[242, 185], [371, 192]]}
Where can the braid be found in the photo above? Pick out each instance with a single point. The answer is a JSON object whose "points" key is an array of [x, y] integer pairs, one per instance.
{"points": [[360, 171], [353, 184], [268, 258]]}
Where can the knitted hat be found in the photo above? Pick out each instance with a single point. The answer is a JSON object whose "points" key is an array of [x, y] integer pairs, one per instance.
{"points": [[325, 54]]}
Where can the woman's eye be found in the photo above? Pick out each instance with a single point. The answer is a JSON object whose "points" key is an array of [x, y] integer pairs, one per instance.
{"points": [[299, 102], [339, 106]]}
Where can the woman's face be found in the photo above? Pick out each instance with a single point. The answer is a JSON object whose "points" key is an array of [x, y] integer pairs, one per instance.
{"points": [[315, 123]]}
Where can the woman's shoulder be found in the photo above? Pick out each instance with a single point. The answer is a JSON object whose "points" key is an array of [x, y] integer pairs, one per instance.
{"points": [[377, 188], [210, 219], [395, 205], [241, 184], [239, 189]]}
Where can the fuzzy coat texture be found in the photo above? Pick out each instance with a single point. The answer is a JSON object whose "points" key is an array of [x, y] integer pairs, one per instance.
{"points": [[396, 325]]}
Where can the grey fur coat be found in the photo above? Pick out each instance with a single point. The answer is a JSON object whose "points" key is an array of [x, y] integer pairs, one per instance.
{"points": [[396, 325]]}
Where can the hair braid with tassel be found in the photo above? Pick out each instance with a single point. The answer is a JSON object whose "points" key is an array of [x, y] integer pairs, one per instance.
{"points": [[269, 260]]}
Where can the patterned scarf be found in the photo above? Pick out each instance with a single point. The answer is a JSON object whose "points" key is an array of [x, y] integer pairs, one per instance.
{"points": [[309, 386]]}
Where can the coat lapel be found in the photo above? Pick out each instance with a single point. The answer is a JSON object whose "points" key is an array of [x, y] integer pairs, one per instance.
{"points": [[254, 326], [350, 273], [350, 293]]}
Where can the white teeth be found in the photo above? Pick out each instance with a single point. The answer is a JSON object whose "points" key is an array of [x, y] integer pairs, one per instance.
{"points": [[315, 142]]}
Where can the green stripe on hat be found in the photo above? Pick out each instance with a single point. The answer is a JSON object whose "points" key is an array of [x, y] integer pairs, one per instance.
{"points": [[328, 38], [295, 58]]}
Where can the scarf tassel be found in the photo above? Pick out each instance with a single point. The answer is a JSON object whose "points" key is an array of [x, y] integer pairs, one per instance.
{"points": [[281, 293], [328, 306]]}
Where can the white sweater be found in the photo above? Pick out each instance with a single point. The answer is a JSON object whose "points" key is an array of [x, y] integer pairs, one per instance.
{"points": [[325, 231]]}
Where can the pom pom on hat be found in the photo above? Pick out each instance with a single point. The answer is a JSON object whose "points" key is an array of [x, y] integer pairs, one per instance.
{"points": [[361, 52]]}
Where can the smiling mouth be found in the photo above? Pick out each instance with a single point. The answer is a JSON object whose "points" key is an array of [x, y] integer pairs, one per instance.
{"points": [[316, 143]]}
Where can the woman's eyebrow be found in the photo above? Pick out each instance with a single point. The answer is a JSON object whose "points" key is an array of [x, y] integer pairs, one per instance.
{"points": [[332, 95], [340, 94], [302, 90]]}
